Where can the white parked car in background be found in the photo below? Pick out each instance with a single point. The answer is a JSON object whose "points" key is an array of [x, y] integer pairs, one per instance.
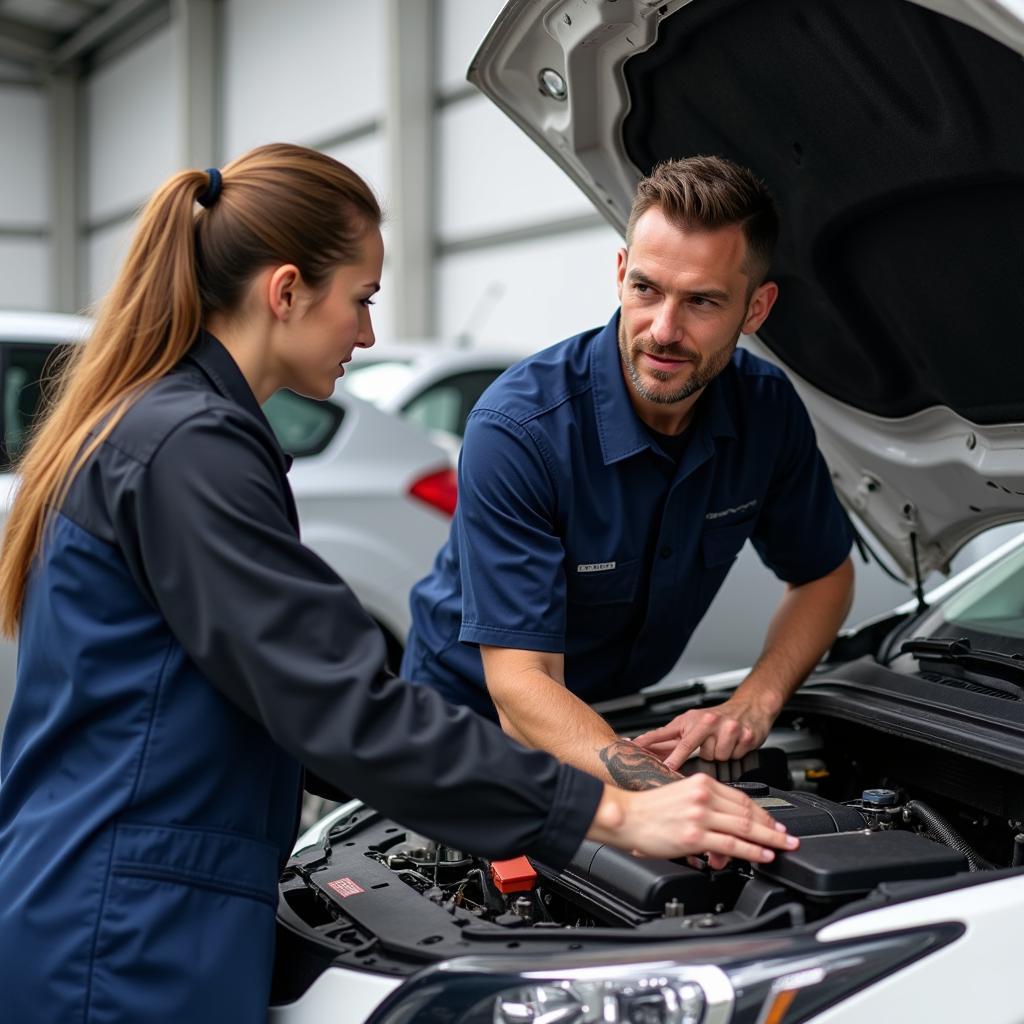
{"points": [[892, 134], [430, 383], [375, 494]]}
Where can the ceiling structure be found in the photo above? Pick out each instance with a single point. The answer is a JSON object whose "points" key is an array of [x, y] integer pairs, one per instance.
{"points": [[38, 37]]}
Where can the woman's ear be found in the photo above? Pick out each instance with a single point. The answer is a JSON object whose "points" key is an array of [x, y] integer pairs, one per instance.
{"points": [[283, 289]]}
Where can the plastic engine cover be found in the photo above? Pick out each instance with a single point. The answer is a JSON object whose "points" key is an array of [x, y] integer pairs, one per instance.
{"points": [[852, 864], [647, 884]]}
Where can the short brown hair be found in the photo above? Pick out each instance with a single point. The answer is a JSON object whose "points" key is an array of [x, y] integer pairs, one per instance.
{"points": [[711, 192]]}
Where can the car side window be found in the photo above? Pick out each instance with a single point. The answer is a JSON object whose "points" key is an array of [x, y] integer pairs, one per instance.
{"points": [[303, 426], [28, 369], [446, 403]]}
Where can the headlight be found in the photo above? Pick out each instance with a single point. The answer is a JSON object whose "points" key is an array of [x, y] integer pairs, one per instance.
{"points": [[743, 980], [643, 1001]]}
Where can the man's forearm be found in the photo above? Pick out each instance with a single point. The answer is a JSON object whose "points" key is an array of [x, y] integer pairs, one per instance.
{"points": [[541, 713], [801, 631]]}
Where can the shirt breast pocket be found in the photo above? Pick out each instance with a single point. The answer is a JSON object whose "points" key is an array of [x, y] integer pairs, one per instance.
{"points": [[604, 586], [721, 544]]}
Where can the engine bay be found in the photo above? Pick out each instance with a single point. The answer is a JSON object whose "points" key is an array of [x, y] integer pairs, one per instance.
{"points": [[881, 817]]}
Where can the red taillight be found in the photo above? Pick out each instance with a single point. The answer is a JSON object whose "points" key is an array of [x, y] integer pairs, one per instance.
{"points": [[440, 490]]}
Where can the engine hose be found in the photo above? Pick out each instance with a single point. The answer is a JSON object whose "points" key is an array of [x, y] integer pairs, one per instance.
{"points": [[936, 827]]}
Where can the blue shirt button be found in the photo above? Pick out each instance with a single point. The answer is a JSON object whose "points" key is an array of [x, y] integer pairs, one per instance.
{"points": [[666, 551]]}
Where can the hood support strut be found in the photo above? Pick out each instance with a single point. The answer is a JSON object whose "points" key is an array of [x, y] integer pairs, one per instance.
{"points": [[918, 585]]}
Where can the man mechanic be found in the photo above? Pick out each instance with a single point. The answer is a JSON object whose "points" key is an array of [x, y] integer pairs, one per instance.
{"points": [[606, 485]]}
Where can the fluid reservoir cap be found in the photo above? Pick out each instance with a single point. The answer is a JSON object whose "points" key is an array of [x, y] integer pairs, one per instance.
{"points": [[752, 789], [879, 797]]}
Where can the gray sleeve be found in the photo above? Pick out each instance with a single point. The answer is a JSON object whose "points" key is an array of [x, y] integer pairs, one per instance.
{"points": [[276, 630]]}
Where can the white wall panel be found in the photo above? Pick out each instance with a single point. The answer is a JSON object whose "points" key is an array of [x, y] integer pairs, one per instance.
{"points": [[492, 177], [462, 27], [24, 273], [300, 71], [531, 294], [133, 126], [368, 158], [104, 252], [24, 172]]}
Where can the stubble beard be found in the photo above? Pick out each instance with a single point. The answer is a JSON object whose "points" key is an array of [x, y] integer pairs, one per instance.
{"points": [[704, 372]]}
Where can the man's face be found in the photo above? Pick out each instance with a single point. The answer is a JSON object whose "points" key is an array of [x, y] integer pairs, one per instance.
{"points": [[686, 298]]}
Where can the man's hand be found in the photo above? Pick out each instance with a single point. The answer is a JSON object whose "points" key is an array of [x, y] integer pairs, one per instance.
{"points": [[802, 629], [722, 733], [692, 816]]}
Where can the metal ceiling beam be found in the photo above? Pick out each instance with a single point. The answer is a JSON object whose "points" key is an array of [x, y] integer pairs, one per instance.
{"points": [[25, 43], [90, 6], [100, 28]]}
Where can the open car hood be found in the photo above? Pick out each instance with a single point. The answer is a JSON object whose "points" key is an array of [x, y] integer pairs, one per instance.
{"points": [[891, 133]]}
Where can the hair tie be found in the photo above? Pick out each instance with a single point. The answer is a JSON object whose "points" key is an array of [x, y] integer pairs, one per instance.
{"points": [[209, 195]]}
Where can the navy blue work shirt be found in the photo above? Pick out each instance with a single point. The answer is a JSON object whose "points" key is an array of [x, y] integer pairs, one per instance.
{"points": [[576, 533]]}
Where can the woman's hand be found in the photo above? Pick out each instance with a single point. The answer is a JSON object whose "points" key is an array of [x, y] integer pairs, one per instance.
{"points": [[695, 815]]}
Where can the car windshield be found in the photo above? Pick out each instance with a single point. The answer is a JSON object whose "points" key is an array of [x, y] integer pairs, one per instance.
{"points": [[375, 381], [989, 610]]}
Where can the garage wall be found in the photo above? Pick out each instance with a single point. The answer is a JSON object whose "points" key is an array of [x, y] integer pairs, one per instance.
{"points": [[24, 199], [132, 129], [462, 25], [523, 260], [528, 295], [278, 80], [304, 71]]}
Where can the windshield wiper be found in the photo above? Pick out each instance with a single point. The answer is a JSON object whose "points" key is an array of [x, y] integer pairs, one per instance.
{"points": [[1008, 667]]}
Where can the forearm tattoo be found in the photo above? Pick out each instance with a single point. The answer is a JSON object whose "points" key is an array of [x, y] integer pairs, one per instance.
{"points": [[632, 767]]}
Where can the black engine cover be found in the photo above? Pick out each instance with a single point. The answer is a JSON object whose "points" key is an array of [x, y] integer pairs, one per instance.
{"points": [[804, 814], [645, 884], [827, 867]]}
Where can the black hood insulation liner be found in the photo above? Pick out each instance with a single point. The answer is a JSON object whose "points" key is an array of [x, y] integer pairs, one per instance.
{"points": [[893, 140]]}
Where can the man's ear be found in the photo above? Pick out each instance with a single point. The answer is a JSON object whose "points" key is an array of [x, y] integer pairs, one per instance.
{"points": [[282, 291], [759, 306], [621, 259]]}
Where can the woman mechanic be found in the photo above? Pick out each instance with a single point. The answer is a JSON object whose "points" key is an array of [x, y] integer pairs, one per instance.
{"points": [[184, 658]]}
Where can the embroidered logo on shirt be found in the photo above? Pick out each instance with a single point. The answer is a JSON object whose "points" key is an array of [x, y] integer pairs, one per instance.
{"points": [[731, 511], [596, 566]]}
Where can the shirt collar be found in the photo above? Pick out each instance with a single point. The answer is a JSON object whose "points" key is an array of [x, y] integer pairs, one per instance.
{"points": [[216, 362], [621, 431]]}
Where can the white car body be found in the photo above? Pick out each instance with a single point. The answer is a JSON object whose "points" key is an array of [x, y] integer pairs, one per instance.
{"points": [[430, 383], [354, 497]]}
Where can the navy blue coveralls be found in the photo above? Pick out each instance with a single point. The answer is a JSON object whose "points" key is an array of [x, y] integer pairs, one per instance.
{"points": [[182, 657], [578, 531]]}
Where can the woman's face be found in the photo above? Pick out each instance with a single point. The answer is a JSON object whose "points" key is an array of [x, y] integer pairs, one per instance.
{"points": [[334, 323]]}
